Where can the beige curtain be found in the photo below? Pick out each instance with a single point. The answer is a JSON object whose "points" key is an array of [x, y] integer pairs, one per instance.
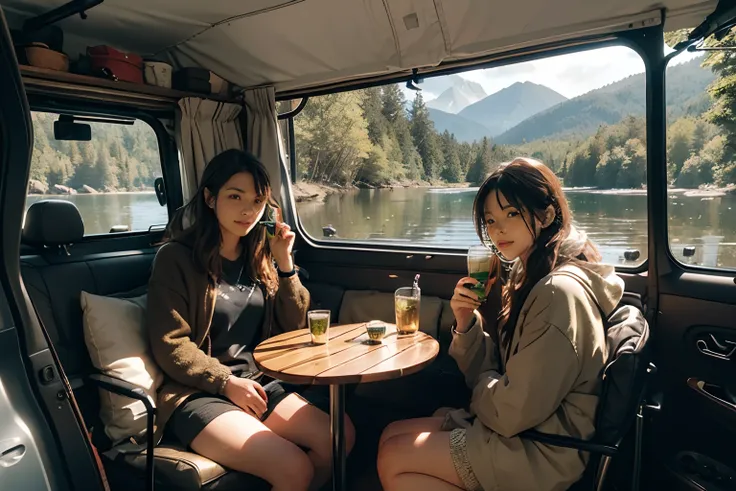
{"points": [[204, 129], [262, 133]]}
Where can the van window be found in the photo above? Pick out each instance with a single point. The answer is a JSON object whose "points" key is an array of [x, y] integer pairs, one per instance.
{"points": [[109, 177], [391, 165], [701, 163]]}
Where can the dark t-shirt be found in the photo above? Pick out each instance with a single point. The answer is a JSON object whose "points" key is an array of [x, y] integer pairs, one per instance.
{"points": [[238, 318]]}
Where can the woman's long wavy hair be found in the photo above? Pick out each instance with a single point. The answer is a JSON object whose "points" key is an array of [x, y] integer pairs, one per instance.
{"points": [[531, 187], [197, 224]]}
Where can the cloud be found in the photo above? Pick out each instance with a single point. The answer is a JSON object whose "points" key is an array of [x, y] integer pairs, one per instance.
{"points": [[571, 74]]}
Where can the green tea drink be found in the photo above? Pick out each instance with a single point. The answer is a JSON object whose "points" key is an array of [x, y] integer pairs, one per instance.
{"points": [[479, 266], [319, 324], [406, 304]]}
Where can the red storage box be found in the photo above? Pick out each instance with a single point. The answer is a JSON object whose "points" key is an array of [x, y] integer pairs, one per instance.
{"points": [[122, 66]]}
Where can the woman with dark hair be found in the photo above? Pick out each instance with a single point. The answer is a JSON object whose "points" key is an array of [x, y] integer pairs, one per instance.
{"points": [[214, 294], [532, 353]]}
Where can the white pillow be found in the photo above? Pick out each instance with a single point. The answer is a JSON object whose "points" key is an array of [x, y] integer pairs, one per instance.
{"points": [[114, 331]]}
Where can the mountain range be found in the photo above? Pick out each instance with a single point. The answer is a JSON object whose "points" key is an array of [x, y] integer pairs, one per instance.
{"points": [[510, 106], [526, 111], [458, 96], [581, 116], [465, 130], [490, 115]]}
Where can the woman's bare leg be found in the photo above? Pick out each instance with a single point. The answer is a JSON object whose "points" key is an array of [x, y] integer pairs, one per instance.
{"points": [[418, 462], [241, 442], [416, 425], [298, 421]]}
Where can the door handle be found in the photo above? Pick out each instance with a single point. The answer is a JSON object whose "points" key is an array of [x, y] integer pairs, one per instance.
{"points": [[710, 345], [11, 451], [715, 393]]}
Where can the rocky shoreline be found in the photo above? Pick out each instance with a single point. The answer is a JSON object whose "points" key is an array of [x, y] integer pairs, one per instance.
{"points": [[312, 191], [38, 188]]}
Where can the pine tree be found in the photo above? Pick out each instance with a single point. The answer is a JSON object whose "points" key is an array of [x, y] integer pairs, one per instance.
{"points": [[425, 138], [373, 113], [480, 169], [452, 169], [394, 103]]}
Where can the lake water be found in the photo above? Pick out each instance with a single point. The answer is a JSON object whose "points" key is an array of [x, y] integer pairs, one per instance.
{"points": [[617, 222], [100, 212]]}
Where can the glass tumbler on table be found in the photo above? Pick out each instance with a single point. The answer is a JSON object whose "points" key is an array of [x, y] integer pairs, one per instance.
{"points": [[319, 325], [406, 303]]}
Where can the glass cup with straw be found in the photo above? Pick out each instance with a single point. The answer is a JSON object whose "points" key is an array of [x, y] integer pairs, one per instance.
{"points": [[406, 305]]}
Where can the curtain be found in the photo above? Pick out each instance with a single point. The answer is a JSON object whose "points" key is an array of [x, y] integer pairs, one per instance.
{"points": [[262, 136], [204, 129]]}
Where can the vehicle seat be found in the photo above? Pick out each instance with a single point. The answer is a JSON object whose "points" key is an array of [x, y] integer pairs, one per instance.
{"points": [[54, 273]]}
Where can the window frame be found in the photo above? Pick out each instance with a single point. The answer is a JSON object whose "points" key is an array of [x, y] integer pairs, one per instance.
{"points": [[168, 156], [687, 268], [637, 40]]}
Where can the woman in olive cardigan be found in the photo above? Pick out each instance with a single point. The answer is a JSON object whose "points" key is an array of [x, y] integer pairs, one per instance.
{"points": [[214, 294]]}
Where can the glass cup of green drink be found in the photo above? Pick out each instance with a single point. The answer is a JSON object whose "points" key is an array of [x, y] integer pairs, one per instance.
{"points": [[406, 304], [319, 325], [479, 266]]}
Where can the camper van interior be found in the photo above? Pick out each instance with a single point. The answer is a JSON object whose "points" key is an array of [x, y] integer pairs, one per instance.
{"points": [[376, 121]]}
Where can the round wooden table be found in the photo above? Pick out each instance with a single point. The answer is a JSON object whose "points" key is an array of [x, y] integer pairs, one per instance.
{"points": [[347, 358]]}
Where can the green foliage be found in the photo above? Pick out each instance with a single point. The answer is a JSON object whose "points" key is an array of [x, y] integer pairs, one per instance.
{"points": [[390, 144], [452, 170], [425, 139], [118, 158], [332, 139], [482, 164]]}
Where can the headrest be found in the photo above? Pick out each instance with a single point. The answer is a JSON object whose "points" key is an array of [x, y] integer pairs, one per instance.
{"points": [[52, 222]]}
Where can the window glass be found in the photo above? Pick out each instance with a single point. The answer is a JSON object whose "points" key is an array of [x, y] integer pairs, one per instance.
{"points": [[395, 165], [701, 158], [109, 178]]}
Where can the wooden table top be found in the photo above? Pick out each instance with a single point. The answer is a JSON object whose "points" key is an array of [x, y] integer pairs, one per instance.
{"points": [[347, 358]]}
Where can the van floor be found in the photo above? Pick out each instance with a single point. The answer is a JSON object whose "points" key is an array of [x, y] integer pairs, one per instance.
{"points": [[369, 418], [369, 421]]}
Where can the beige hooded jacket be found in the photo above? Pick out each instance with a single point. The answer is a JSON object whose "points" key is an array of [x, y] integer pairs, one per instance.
{"points": [[550, 382]]}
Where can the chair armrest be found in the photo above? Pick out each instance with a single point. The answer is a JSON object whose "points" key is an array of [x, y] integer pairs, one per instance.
{"points": [[569, 442], [124, 388], [121, 387]]}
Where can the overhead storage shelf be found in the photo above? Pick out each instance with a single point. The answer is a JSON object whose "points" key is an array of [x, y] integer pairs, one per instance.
{"points": [[63, 84]]}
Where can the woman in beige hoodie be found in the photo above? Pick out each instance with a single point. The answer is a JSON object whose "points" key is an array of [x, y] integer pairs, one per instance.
{"points": [[532, 353]]}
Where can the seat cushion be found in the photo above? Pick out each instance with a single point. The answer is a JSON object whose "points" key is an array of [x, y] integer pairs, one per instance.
{"points": [[114, 331], [366, 305], [326, 296], [176, 468]]}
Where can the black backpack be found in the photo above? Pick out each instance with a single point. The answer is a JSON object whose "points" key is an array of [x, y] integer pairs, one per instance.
{"points": [[625, 373]]}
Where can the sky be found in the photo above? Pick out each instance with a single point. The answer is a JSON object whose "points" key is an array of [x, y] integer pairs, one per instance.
{"points": [[570, 75]]}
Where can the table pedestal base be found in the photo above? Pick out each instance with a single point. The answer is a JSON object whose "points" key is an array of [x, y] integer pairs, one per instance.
{"points": [[337, 434]]}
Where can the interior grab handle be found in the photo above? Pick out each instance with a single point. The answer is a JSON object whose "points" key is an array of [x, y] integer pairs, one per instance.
{"points": [[719, 395], [711, 346]]}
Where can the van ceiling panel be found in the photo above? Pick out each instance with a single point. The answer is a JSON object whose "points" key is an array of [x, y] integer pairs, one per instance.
{"points": [[295, 44]]}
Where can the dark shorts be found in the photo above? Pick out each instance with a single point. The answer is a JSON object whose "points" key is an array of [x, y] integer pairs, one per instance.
{"points": [[200, 409]]}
